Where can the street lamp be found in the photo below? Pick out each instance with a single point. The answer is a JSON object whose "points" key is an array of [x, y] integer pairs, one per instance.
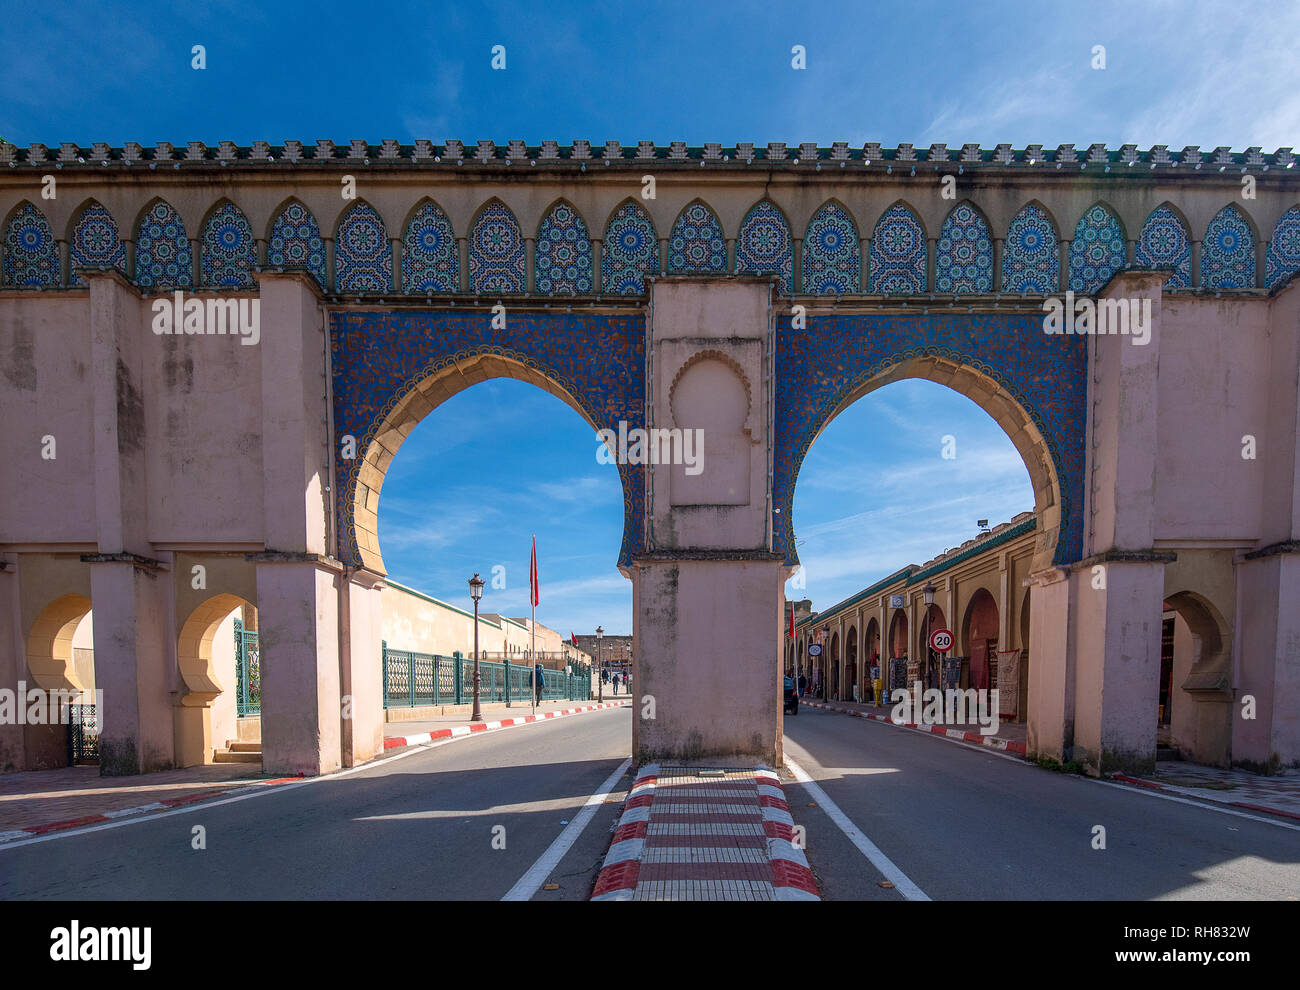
{"points": [[476, 592], [928, 593], [600, 671]]}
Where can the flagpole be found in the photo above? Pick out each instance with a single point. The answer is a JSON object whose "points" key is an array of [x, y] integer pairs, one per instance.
{"points": [[532, 626]]}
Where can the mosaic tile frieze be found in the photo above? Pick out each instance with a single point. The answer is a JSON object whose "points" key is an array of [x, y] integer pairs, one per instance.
{"points": [[497, 253], [296, 242], [832, 253], [162, 251], [963, 256], [1228, 252], [228, 253], [1097, 250], [31, 256], [765, 246], [430, 258], [1283, 254], [562, 263], [363, 259], [1164, 243], [630, 251], [378, 358], [96, 242], [697, 245], [898, 253], [817, 369], [1031, 260]]}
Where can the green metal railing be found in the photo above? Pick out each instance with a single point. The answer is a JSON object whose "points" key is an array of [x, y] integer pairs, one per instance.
{"points": [[248, 672], [414, 679]]}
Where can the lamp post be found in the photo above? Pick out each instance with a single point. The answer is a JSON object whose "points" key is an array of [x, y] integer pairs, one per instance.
{"points": [[600, 671], [476, 592], [928, 592]]}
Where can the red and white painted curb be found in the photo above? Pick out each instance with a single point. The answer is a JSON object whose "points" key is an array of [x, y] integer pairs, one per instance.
{"points": [[1151, 785], [420, 738], [792, 880], [169, 804], [992, 742], [165, 805]]}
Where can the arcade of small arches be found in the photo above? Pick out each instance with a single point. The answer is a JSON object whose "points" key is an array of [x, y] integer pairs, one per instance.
{"points": [[839, 252]]}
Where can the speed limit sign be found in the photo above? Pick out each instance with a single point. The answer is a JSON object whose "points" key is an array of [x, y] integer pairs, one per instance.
{"points": [[941, 641]]}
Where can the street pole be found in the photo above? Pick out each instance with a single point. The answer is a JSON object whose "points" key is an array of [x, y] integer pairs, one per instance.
{"points": [[600, 670], [476, 592]]}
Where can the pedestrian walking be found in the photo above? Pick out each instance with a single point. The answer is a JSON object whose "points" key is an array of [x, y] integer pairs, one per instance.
{"points": [[538, 681], [803, 684]]}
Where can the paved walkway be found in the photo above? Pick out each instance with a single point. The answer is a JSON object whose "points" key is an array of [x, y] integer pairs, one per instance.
{"points": [[1010, 736], [1276, 795], [398, 734], [705, 834], [37, 801]]}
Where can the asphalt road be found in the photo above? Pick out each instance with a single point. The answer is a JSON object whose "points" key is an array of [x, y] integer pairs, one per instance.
{"points": [[420, 827], [970, 825]]}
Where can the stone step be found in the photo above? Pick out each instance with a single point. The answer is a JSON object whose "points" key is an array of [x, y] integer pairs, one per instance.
{"points": [[226, 756], [235, 746]]}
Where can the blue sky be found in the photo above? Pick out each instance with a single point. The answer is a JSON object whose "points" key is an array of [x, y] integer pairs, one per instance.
{"points": [[874, 493]]}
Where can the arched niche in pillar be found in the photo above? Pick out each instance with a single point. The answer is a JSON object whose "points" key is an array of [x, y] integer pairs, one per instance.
{"points": [[1202, 695], [50, 659], [711, 403]]}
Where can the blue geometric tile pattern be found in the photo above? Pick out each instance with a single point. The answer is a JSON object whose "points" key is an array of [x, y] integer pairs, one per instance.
{"points": [[96, 242], [379, 357], [819, 368], [897, 259], [1164, 243], [697, 244], [1031, 261], [562, 265], [162, 251], [363, 259], [1097, 250], [630, 251], [228, 252], [430, 261], [31, 256], [963, 257], [496, 252], [1228, 252], [1283, 253], [296, 242], [832, 255], [764, 245]]}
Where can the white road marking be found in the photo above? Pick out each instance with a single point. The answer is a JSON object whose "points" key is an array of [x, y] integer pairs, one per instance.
{"points": [[262, 790], [901, 881], [537, 873]]}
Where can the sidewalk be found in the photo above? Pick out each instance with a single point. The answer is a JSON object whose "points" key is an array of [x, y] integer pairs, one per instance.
{"points": [[705, 834], [34, 802], [417, 733], [1010, 737], [1278, 795]]}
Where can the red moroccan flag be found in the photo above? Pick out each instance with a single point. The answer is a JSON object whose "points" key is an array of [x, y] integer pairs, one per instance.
{"points": [[574, 637], [792, 620], [532, 575]]}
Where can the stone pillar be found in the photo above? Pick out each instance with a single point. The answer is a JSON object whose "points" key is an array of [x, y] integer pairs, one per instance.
{"points": [[708, 591], [395, 252], [196, 261], [462, 249], [663, 255], [1196, 264], [65, 262], [1119, 586], [1050, 722], [361, 680], [864, 263], [13, 668], [298, 586], [530, 265], [135, 642], [931, 250], [597, 249], [796, 284], [331, 281], [1063, 253], [997, 264]]}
